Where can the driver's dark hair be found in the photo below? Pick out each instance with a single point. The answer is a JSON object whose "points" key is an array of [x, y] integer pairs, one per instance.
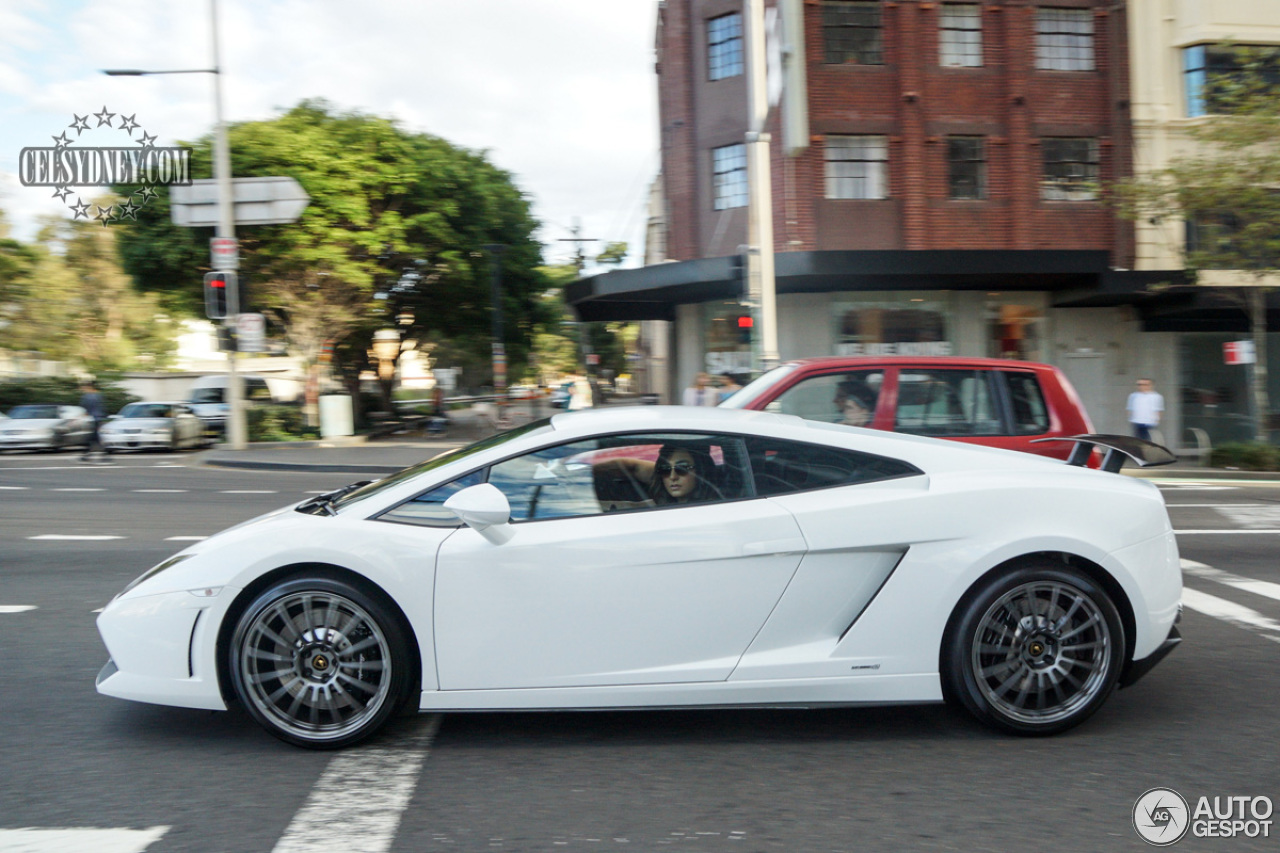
{"points": [[704, 469]]}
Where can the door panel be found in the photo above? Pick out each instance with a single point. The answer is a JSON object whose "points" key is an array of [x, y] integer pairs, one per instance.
{"points": [[666, 595]]}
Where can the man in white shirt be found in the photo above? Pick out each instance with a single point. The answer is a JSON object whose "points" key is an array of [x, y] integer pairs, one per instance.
{"points": [[701, 392], [1145, 406]]}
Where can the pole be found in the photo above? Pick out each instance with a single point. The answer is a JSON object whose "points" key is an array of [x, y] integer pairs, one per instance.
{"points": [[760, 269], [226, 228], [499, 348]]}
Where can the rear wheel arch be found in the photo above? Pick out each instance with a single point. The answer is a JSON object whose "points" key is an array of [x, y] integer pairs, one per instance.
{"points": [[307, 570]]}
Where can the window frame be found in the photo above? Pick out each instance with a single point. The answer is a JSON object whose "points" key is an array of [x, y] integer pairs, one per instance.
{"points": [[874, 169], [954, 163], [954, 37], [998, 411], [729, 186], [725, 57], [843, 34], [1068, 187], [1059, 46]]}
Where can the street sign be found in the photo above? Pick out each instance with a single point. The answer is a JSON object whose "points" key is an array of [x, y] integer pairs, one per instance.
{"points": [[224, 253], [1239, 352], [258, 201], [250, 332]]}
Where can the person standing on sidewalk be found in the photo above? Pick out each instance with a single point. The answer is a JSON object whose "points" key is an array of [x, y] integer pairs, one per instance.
{"points": [[1145, 406], [91, 402], [701, 392]]}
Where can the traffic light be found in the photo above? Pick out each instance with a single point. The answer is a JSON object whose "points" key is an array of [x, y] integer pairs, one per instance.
{"points": [[219, 290]]}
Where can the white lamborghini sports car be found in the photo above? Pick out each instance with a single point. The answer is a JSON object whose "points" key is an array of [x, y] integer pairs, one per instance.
{"points": [[670, 557]]}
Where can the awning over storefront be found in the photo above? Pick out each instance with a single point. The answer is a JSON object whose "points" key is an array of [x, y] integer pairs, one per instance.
{"points": [[1082, 277]]}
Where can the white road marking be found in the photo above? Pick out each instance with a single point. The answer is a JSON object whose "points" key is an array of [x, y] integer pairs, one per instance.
{"points": [[70, 538], [14, 488], [185, 538], [1252, 517], [248, 492], [360, 797], [78, 490], [1225, 532], [1229, 611], [160, 491], [41, 840], [16, 608], [1201, 487], [1267, 589], [1212, 506]]}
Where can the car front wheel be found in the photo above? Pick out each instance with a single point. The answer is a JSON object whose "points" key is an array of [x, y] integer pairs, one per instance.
{"points": [[318, 663], [1035, 651]]}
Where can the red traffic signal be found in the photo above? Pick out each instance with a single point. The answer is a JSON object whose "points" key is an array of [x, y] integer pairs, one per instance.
{"points": [[219, 290]]}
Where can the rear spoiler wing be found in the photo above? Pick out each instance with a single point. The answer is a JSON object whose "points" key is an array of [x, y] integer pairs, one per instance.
{"points": [[1119, 447]]}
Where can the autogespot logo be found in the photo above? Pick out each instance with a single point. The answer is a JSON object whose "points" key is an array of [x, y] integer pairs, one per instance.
{"points": [[68, 164], [1160, 817]]}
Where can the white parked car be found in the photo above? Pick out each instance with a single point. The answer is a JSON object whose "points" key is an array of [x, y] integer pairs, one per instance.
{"points": [[142, 426], [663, 557], [45, 426]]}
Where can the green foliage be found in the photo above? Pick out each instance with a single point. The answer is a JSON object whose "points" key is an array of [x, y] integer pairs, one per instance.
{"points": [[61, 390], [393, 213], [278, 423], [613, 254], [1247, 456]]}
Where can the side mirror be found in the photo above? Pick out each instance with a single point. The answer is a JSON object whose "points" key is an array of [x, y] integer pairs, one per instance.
{"points": [[483, 508]]}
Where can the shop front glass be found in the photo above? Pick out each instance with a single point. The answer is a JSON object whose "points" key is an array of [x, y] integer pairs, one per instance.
{"points": [[1217, 397], [728, 339], [1015, 326], [904, 323]]}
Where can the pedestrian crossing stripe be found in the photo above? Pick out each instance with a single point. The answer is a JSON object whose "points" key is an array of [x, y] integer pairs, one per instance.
{"points": [[68, 840]]}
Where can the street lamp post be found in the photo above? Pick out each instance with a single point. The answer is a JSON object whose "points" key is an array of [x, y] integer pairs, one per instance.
{"points": [[226, 218]]}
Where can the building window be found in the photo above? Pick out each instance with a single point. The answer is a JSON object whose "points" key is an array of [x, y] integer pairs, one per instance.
{"points": [[1070, 169], [724, 46], [729, 171], [960, 35], [903, 323], [1208, 69], [1064, 39], [966, 167], [856, 167], [851, 32]]}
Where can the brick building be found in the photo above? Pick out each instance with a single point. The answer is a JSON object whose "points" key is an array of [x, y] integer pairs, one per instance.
{"points": [[938, 185]]}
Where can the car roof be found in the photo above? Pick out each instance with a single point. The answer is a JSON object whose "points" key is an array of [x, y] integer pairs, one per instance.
{"points": [[835, 361]]}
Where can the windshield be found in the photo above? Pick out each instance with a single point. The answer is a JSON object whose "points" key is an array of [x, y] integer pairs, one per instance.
{"points": [[206, 395], [757, 387], [145, 410], [443, 459], [34, 412]]}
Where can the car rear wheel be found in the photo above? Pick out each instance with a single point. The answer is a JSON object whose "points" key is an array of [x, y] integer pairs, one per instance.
{"points": [[318, 663], [1035, 651]]}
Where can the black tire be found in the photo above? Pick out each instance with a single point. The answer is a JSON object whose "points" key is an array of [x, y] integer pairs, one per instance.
{"points": [[319, 663], [1034, 651]]}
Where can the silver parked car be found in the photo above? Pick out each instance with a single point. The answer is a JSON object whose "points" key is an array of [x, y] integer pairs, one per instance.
{"points": [[167, 425], [45, 426]]}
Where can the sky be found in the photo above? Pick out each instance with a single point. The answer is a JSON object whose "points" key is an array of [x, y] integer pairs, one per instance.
{"points": [[560, 93]]}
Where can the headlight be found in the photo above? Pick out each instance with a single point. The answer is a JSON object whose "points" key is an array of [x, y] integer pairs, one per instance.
{"points": [[155, 570]]}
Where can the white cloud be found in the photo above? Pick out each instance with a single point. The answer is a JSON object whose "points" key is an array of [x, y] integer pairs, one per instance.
{"points": [[561, 94]]}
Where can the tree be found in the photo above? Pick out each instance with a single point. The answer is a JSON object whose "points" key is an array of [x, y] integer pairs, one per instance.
{"points": [[1228, 190], [395, 227]]}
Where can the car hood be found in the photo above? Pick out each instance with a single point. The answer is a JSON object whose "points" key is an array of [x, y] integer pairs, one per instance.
{"points": [[30, 423], [138, 423]]}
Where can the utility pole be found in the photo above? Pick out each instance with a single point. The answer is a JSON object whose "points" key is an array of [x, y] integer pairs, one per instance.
{"points": [[495, 251], [760, 190], [580, 261]]}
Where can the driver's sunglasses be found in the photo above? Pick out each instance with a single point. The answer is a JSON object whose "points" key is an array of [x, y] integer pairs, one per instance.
{"points": [[681, 468]]}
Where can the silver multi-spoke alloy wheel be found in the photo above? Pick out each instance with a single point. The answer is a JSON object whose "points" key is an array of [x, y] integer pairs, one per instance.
{"points": [[1041, 652], [318, 663], [1035, 652]]}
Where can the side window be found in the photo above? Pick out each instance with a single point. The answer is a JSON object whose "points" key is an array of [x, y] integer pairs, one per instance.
{"points": [[623, 473], [780, 467], [836, 398], [946, 402], [1030, 413], [428, 507]]}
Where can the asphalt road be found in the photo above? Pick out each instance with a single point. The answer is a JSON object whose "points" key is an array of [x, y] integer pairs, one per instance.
{"points": [[79, 771]]}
